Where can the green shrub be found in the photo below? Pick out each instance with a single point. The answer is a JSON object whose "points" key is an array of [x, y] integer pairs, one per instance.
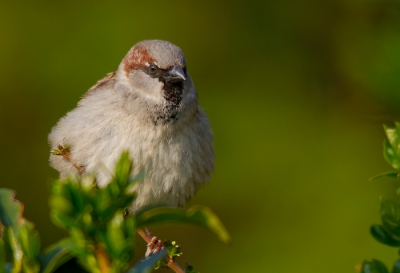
{"points": [[101, 233]]}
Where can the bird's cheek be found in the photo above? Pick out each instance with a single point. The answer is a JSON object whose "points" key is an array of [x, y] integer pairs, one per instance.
{"points": [[152, 88], [140, 81], [155, 87]]}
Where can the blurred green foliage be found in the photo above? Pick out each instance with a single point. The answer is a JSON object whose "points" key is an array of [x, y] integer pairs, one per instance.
{"points": [[388, 233], [296, 92], [101, 234]]}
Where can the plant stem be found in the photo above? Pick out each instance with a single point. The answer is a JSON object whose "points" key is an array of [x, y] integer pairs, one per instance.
{"points": [[103, 259], [171, 263], [64, 152]]}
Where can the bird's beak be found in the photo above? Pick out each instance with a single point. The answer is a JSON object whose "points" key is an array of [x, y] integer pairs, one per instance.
{"points": [[176, 74]]}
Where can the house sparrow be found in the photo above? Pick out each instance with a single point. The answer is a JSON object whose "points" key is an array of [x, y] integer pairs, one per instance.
{"points": [[149, 108]]}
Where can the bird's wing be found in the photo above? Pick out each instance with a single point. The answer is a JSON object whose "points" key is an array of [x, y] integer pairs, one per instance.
{"points": [[106, 82]]}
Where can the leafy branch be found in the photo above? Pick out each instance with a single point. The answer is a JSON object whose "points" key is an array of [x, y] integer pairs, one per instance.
{"points": [[388, 232], [101, 233]]}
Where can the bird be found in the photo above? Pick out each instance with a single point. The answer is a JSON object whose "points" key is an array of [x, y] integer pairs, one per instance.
{"points": [[149, 108]]}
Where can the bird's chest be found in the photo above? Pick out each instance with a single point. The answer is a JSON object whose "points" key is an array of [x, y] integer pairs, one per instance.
{"points": [[163, 153], [166, 156]]}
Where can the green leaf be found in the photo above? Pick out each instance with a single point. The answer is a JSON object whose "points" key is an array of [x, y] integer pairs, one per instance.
{"points": [[13, 248], [61, 204], [21, 242], [77, 195], [393, 135], [55, 256], [118, 204], [383, 236], [390, 216], [61, 220], [10, 209], [80, 241], [113, 190], [29, 240], [391, 156], [130, 226], [374, 266], [102, 201], [392, 174], [396, 267], [197, 215], [30, 265], [122, 170], [146, 266], [115, 235], [173, 249]]}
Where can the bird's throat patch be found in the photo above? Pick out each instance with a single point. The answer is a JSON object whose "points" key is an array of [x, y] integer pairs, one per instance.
{"points": [[169, 112], [173, 92]]}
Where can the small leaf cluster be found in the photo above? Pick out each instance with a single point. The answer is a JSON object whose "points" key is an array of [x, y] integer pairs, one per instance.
{"points": [[173, 250], [388, 232], [19, 241], [101, 232]]}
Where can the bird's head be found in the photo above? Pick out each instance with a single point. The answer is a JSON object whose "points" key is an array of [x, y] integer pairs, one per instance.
{"points": [[157, 69]]}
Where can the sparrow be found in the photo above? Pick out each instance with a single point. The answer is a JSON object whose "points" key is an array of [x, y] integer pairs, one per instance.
{"points": [[148, 107]]}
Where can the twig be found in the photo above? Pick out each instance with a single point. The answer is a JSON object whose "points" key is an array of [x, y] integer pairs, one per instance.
{"points": [[171, 263], [64, 152], [174, 266], [103, 260]]}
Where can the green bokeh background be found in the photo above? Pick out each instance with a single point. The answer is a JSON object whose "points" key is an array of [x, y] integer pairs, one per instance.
{"points": [[297, 92]]}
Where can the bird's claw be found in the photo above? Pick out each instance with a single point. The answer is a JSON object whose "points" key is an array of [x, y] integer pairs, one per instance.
{"points": [[154, 246]]}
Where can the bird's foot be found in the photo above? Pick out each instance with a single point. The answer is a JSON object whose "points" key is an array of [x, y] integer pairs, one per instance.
{"points": [[154, 246]]}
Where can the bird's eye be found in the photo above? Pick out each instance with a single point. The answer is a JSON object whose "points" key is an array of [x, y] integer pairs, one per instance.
{"points": [[152, 68]]}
